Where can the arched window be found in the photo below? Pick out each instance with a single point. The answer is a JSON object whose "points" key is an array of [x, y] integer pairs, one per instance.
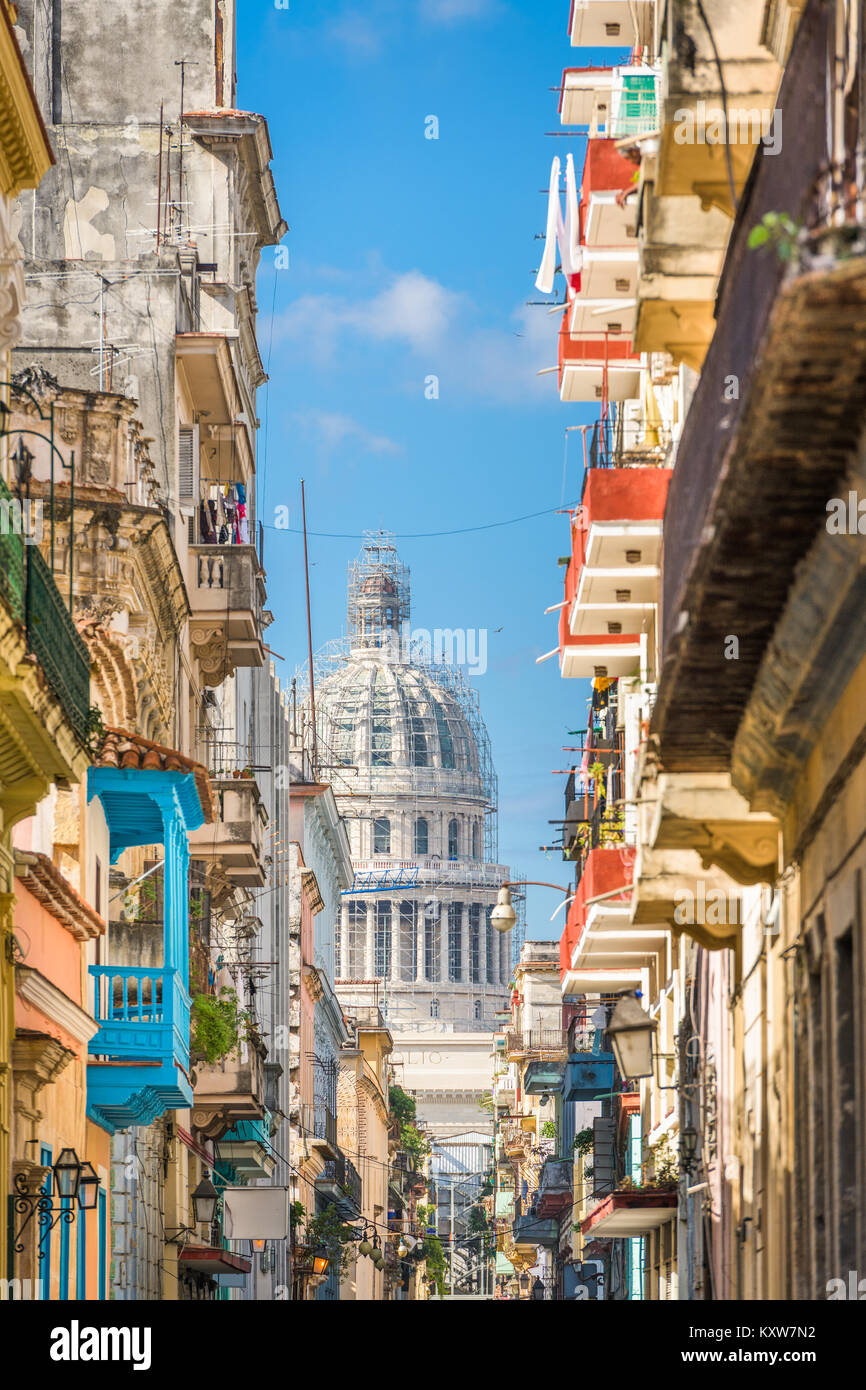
{"points": [[453, 839], [434, 1008], [422, 836], [381, 836], [478, 1008], [476, 841]]}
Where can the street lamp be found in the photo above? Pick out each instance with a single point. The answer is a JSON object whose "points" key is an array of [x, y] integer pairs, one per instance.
{"points": [[538, 1291], [503, 915], [67, 1173], [204, 1201], [631, 1033], [320, 1262], [525, 1282], [689, 1148], [88, 1187]]}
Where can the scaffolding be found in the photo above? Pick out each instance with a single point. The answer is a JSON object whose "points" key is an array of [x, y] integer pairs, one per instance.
{"points": [[401, 740]]}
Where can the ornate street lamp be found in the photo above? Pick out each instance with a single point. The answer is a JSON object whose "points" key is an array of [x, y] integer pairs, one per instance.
{"points": [[631, 1032], [689, 1148], [67, 1173], [525, 1282], [320, 1262], [204, 1201], [88, 1187], [538, 1291]]}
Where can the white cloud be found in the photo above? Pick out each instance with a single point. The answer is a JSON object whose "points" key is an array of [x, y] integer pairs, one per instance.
{"points": [[331, 430], [412, 309], [359, 35]]}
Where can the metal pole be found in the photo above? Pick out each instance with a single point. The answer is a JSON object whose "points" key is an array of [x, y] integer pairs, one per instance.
{"points": [[451, 1186], [313, 747]]}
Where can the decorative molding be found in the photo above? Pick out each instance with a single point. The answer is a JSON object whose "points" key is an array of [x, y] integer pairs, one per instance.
{"points": [[51, 1001]]}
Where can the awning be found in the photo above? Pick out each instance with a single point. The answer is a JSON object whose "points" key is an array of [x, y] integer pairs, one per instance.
{"points": [[212, 1259]]}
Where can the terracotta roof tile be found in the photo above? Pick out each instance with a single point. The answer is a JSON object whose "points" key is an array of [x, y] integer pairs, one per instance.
{"points": [[126, 750]]}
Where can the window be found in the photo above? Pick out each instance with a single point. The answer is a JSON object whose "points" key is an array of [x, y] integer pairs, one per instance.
{"points": [[380, 724], [478, 1008], [453, 839], [382, 836], [446, 742], [434, 1008], [422, 836], [476, 841], [418, 743]]}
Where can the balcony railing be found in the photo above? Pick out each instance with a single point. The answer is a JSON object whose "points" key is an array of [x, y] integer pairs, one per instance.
{"points": [[534, 1040], [229, 1091], [340, 1181], [143, 1014], [28, 589]]}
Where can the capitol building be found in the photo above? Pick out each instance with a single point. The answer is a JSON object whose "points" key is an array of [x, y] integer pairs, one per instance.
{"points": [[409, 762]]}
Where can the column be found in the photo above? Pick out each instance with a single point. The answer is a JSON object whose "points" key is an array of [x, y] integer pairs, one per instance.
{"points": [[443, 943], [394, 973], [370, 943], [505, 958], [419, 938], [482, 948], [344, 941], [465, 953]]}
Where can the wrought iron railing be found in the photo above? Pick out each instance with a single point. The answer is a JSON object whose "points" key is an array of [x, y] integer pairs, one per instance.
{"points": [[28, 589]]}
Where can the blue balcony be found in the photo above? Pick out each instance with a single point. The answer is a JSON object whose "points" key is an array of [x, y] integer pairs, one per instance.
{"points": [[247, 1148], [138, 1064], [588, 1075]]}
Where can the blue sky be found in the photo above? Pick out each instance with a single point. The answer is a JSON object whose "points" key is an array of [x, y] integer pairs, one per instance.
{"points": [[411, 257]]}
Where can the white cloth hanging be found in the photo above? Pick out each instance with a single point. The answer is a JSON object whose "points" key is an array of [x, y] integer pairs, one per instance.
{"points": [[561, 234], [547, 269]]}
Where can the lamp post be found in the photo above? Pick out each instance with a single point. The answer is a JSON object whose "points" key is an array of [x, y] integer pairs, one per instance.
{"points": [[204, 1201], [72, 1180], [631, 1032]]}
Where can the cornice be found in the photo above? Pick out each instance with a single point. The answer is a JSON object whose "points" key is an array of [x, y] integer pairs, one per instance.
{"points": [[25, 150], [45, 996], [44, 881]]}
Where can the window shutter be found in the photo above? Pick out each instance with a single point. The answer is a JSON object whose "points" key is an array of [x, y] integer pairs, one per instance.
{"points": [[188, 465]]}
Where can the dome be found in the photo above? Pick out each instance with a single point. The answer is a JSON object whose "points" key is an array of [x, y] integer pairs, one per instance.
{"points": [[390, 719]]}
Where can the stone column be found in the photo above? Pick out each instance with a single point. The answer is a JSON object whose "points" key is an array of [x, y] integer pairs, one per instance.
{"points": [[419, 938], [465, 953], [395, 943], [443, 943], [482, 947], [344, 941], [370, 951]]}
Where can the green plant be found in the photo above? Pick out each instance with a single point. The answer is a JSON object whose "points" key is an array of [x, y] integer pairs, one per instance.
{"points": [[216, 1024], [548, 1129], [328, 1232], [777, 230], [589, 1170], [583, 1142], [404, 1109], [435, 1257], [596, 771], [664, 1163], [297, 1215]]}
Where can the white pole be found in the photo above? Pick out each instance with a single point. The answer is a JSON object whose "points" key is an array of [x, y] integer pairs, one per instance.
{"points": [[451, 1186]]}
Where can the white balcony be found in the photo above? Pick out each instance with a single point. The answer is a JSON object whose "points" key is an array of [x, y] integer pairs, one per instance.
{"points": [[609, 23]]}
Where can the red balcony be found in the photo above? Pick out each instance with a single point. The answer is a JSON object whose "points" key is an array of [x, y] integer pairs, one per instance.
{"points": [[626, 1214], [598, 367], [604, 869]]}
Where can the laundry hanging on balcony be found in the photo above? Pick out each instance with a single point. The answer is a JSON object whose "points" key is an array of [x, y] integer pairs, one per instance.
{"points": [[563, 233]]}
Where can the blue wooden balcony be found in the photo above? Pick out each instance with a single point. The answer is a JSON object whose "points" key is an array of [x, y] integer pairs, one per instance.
{"points": [[138, 1064], [143, 1017]]}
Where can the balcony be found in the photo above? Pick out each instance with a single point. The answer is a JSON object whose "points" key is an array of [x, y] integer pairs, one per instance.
{"points": [[319, 1128], [247, 1148], [227, 594], [46, 702], [541, 1077], [610, 103], [532, 1230], [692, 157], [597, 366], [229, 1092], [340, 1183], [236, 840], [600, 948], [626, 1214], [139, 1057], [609, 23], [555, 1187], [755, 456]]}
